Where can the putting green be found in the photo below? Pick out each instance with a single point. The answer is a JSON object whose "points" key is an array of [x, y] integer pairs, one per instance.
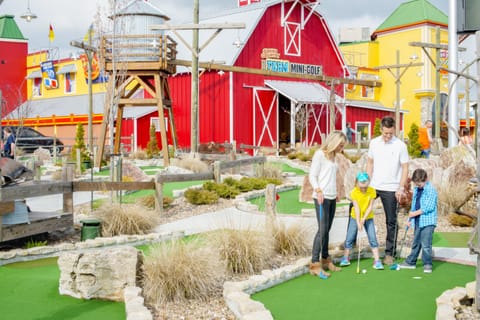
{"points": [[451, 239], [377, 294], [29, 290]]}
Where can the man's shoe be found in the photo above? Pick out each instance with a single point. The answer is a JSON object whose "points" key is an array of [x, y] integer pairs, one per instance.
{"points": [[388, 260], [405, 265], [427, 268]]}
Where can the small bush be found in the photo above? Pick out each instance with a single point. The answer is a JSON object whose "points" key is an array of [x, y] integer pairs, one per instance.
{"points": [[149, 201], [230, 181], [244, 251], [193, 164], [200, 196], [292, 155], [152, 145], [125, 219], [33, 243], [140, 154], [290, 240], [272, 170], [177, 271]]}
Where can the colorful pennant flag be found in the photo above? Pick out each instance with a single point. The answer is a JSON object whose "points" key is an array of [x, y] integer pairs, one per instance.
{"points": [[51, 34], [88, 34]]}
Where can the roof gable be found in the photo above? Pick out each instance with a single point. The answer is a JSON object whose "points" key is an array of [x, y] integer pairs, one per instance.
{"points": [[413, 12], [9, 28]]}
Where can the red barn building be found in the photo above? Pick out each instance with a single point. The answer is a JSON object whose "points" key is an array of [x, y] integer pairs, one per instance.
{"points": [[13, 63], [257, 109]]}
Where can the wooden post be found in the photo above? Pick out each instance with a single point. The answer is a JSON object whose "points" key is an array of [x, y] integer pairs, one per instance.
{"points": [[158, 197], [68, 172], [270, 207], [216, 172]]}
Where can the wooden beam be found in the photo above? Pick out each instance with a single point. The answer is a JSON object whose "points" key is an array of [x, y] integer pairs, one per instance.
{"points": [[131, 102], [322, 78], [200, 26], [112, 186]]}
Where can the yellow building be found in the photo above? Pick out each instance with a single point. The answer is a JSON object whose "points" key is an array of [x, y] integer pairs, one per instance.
{"points": [[393, 55]]}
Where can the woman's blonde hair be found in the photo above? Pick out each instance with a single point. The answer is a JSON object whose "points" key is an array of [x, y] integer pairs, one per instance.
{"points": [[332, 142]]}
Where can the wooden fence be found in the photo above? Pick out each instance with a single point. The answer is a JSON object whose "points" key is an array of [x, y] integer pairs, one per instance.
{"points": [[40, 222]]}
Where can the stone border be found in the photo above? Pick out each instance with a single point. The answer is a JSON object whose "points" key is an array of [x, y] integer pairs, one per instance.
{"points": [[237, 294], [449, 301]]}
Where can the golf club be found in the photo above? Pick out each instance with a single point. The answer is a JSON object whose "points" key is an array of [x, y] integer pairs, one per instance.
{"points": [[359, 249], [403, 242]]}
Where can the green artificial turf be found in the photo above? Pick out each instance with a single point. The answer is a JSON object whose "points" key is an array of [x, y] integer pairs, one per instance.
{"points": [[288, 202], [286, 168], [451, 239], [29, 290], [377, 294]]}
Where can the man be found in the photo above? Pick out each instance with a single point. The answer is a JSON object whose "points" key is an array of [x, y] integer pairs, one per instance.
{"points": [[349, 132], [9, 145], [387, 164], [425, 138]]}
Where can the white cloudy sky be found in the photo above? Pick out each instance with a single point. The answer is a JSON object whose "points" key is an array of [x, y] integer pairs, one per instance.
{"points": [[71, 18]]}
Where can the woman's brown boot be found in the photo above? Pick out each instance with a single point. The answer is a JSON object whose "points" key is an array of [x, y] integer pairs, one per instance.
{"points": [[316, 269], [328, 264]]}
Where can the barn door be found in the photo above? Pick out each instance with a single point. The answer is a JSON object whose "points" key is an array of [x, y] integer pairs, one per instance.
{"points": [[316, 121], [265, 118]]}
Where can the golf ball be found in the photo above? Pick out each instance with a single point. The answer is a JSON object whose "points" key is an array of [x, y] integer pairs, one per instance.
{"points": [[364, 271]]}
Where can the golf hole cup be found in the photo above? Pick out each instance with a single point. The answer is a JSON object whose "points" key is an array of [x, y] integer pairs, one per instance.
{"points": [[364, 270]]}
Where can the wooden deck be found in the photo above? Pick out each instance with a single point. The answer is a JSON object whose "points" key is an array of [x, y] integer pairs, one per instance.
{"points": [[40, 222]]}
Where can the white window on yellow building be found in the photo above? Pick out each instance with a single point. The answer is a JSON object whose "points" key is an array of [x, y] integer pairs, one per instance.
{"points": [[69, 83], [37, 87]]}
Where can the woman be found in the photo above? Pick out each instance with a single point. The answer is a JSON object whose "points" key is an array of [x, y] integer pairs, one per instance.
{"points": [[322, 177]]}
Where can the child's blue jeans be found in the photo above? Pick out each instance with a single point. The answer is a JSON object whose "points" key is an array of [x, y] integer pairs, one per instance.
{"points": [[352, 231]]}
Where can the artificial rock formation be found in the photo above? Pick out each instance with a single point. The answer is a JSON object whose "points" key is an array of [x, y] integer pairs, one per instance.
{"points": [[99, 274]]}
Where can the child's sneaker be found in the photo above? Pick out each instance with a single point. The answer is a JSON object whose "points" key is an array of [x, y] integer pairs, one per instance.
{"points": [[427, 268], [378, 265], [344, 262], [405, 265]]}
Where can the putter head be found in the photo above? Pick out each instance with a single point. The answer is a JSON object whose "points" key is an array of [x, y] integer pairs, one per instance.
{"points": [[394, 267]]}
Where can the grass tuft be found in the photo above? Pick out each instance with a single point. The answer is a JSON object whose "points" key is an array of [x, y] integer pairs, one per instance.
{"points": [[178, 270], [290, 240], [125, 219], [244, 251]]}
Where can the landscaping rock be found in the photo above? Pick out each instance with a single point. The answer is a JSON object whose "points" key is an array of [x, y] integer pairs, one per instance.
{"points": [[100, 274]]}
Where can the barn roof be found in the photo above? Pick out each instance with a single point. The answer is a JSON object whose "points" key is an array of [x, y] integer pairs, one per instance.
{"points": [[222, 48], [61, 106], [302, 92]]}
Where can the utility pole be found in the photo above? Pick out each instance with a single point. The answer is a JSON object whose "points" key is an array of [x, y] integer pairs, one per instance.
{"points": [[398, 76], [195, 80]]}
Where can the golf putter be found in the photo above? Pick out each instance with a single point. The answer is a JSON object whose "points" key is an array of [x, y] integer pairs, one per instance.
{"points": [[403, 241], [359, 249]]}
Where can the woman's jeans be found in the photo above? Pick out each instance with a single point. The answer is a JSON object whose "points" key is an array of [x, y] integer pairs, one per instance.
{"points": [[422, 240], [352, 231], [325, 215]]}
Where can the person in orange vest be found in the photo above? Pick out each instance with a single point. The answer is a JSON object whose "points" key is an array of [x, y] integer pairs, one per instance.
{"points": [[425, 138]]}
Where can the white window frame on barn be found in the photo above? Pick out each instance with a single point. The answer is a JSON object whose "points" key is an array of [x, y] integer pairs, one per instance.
{"points": [[156, 122], [292, 39]]}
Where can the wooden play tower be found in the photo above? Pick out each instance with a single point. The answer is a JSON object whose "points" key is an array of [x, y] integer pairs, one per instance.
{"points": [[138, 65]]}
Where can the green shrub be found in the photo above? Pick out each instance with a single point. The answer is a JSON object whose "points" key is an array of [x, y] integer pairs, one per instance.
{"points": [[377, 130], [414, 148], [223, 190], [34, 243], [152, 145], [292, 155], [80, 145], [230, 181], [200, 196]]}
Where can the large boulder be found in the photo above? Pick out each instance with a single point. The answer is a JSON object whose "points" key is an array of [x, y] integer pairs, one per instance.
{"points": [[99, 274]]}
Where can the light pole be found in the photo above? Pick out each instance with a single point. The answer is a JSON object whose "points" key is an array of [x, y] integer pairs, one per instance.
{"points": [[89, 51]]}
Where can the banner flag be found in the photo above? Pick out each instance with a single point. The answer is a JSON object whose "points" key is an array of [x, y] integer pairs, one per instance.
{"points": [[51, 34]]}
